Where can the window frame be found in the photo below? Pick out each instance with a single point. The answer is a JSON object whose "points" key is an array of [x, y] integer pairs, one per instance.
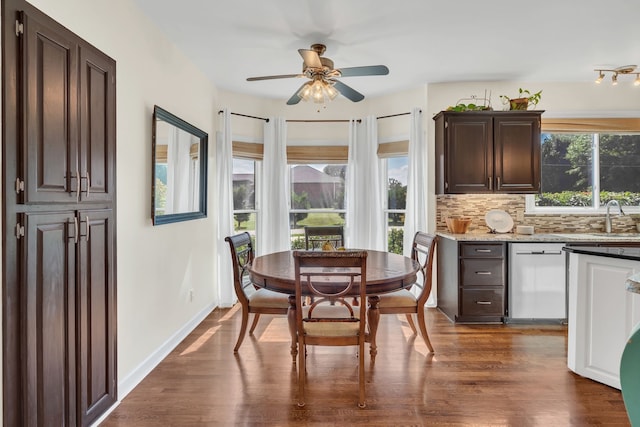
{"points": [[596, 127]]}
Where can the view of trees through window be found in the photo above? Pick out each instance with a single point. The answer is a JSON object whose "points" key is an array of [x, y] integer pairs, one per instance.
{"points": [[588, 170], [244, 195], [317, 198], [396, 204]]}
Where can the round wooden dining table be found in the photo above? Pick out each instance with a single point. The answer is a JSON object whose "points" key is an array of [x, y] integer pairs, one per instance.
{"points": [[386, 272]]}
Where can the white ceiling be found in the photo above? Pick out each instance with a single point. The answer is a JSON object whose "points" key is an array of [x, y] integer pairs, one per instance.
{"points": [[421, 41]]}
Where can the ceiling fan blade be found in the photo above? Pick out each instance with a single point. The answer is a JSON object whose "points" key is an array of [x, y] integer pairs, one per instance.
{"points": [[369, 70], [348, 92], [281, 76], [310, 57], [295, 98]]}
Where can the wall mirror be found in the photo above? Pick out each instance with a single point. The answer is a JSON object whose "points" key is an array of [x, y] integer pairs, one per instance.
{"points": [[179, 181]]}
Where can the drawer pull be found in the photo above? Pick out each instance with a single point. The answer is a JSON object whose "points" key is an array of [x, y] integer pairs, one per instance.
{"points": [[484, 251], [483, 272], [483, 302]]}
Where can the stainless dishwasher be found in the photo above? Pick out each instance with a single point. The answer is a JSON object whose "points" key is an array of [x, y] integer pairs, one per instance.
{"points": [[537, 282]]}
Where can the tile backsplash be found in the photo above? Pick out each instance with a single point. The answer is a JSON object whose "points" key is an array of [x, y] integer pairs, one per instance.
{"points": [[476, 206]]}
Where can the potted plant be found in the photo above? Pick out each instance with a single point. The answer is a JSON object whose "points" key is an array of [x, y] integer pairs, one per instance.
{"points": [[523, 101]]}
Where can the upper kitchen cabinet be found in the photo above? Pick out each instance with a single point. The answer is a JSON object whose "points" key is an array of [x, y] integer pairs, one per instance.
{"points": [[487, 152], [68, 149]]}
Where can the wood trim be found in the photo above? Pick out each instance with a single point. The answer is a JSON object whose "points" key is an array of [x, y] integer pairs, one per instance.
{"points": [[591, 125], [247, 150], [311, 154], [392, 149]]}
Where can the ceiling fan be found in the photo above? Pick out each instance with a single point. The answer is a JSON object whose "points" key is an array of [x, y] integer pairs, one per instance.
{"points": [[322, 84]]}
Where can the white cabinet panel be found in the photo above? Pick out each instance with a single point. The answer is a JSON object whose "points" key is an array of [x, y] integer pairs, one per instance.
{"points": [[601, 315]]}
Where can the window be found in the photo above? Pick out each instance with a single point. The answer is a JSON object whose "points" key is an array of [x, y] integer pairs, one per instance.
{"points": [[396, 169], [244, 195], [581, 172], [317, 197]]}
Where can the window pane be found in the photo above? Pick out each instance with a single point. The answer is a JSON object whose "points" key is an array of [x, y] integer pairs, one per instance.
{"points": [[244, 201], [317, 198], [620, 169], [398, 176], [567, 170]]}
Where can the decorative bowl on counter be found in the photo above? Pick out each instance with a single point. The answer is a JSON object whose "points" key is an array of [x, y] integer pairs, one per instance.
{"points": [[458, 224]]}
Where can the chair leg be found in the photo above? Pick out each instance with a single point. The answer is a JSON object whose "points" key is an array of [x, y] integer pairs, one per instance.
{"points": [[302, 375], [256, 317], [413, 325], [361, 379], [423, 329], [243, 329]]}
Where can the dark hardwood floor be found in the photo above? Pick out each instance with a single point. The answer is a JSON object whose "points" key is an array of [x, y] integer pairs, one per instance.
{"points": [[480, 375]]}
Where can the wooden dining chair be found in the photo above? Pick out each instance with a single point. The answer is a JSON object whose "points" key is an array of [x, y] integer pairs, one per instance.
{"points": [[316, 236], [330, 320], [405, 301], [252, 298]]}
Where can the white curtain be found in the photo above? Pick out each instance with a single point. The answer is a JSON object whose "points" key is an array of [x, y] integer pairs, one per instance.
{"points": [[178, 168], [365, 220], [416, 210], [224, 171], [273, 221]]}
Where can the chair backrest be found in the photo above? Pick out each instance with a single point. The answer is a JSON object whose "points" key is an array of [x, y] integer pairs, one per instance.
{"points": [[331, 276], [315, 236], [242, 256], [423, 250]]}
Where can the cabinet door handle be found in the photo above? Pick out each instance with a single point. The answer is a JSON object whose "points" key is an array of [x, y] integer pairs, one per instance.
{"points": [[78, 186], [75, 230], [498, 183], [483, 272], [483, 302], [490, 179], [87, 227], [484, 251]]}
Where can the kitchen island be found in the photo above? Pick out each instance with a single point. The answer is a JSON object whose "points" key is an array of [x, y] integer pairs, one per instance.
{"points": [[601, 312]]}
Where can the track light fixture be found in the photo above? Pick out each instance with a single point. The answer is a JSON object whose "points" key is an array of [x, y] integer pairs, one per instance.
{"points": [[623, 70]]}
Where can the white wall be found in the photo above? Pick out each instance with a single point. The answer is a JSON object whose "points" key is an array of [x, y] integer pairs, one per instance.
{"points": [[156, 266]]}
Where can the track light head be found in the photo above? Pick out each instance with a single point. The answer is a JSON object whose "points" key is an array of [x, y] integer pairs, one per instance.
{"points": [[614, 79], [600, 77]]}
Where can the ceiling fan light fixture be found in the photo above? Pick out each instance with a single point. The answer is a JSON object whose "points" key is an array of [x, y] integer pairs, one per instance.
{"points": [[318, 91]]}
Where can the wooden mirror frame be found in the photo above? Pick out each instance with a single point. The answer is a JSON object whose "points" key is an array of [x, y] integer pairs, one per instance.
{"points": [[200, 205]]}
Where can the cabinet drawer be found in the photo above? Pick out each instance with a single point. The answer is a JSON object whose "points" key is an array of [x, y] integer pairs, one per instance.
{"points": [[482, 250], [482, 302], [481, 272]]}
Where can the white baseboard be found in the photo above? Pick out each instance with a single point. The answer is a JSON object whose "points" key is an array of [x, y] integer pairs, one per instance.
{"points": [[137, 375]]}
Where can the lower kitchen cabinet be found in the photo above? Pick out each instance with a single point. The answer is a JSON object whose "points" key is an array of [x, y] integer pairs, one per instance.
{"points": [[472, 280]]}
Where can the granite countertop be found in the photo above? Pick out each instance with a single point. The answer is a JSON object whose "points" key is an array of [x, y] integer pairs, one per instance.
{"points": [[633, 283], [544, 237]]}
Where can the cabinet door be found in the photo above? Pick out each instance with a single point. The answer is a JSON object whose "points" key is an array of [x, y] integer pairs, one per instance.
{"points": [[96, 314], [49, 301], [469, 154], [48, 164], [97, 125], [517, 153]]}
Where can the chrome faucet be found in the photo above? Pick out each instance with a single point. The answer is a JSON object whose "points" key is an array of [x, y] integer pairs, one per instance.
{"points": [[607, 219]]}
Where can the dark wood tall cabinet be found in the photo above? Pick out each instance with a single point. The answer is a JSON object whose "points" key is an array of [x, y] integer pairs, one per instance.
{"points": [[59, 223], [487, 152]]}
